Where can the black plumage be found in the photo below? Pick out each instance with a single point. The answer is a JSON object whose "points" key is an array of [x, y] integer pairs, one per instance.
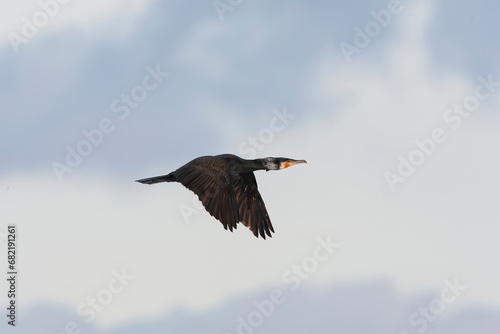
{"points": [[226, 186]]}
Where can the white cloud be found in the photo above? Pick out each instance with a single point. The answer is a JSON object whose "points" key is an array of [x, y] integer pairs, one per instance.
{"points": [[428, 228], [89, 16], [373, 110]]}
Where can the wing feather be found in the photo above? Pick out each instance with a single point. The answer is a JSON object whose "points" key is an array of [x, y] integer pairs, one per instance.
{"points": [[210, 179], [230, 197], [251, 207]]}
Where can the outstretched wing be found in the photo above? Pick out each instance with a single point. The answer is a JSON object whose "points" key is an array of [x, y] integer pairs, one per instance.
{"points": [[210, 179], [251, 208]]}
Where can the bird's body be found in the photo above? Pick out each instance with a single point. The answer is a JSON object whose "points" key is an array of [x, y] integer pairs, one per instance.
{"points": [[226, 186]]}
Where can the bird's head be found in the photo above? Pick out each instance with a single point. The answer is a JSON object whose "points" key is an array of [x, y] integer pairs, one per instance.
{"points": [[280, 163]]}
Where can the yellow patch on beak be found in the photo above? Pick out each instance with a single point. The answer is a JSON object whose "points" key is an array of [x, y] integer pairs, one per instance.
{"points": [[288, 163], [285, 164]]}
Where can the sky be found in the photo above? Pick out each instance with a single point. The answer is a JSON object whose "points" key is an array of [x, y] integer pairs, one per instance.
{"points": [[392, 103]]}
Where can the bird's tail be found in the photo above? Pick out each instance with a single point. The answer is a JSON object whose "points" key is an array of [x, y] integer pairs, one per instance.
{"points": [[157, 179]]}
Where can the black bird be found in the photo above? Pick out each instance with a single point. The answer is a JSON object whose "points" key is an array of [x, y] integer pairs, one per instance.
{"points": [[226, 186]]}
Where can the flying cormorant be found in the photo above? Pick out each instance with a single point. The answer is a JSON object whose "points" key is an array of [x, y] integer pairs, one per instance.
{"points": [[226, 186]]}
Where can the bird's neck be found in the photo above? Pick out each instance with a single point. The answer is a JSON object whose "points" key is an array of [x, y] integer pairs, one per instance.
{"points": [[255, 164]]}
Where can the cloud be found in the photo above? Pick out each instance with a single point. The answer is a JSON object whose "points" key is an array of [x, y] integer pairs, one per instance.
{"points": [[354, 307], [351, 123], [51, 15]]}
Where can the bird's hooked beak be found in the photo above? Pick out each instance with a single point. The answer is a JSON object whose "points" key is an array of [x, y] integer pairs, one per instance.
{"points": [[291, 162]]}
